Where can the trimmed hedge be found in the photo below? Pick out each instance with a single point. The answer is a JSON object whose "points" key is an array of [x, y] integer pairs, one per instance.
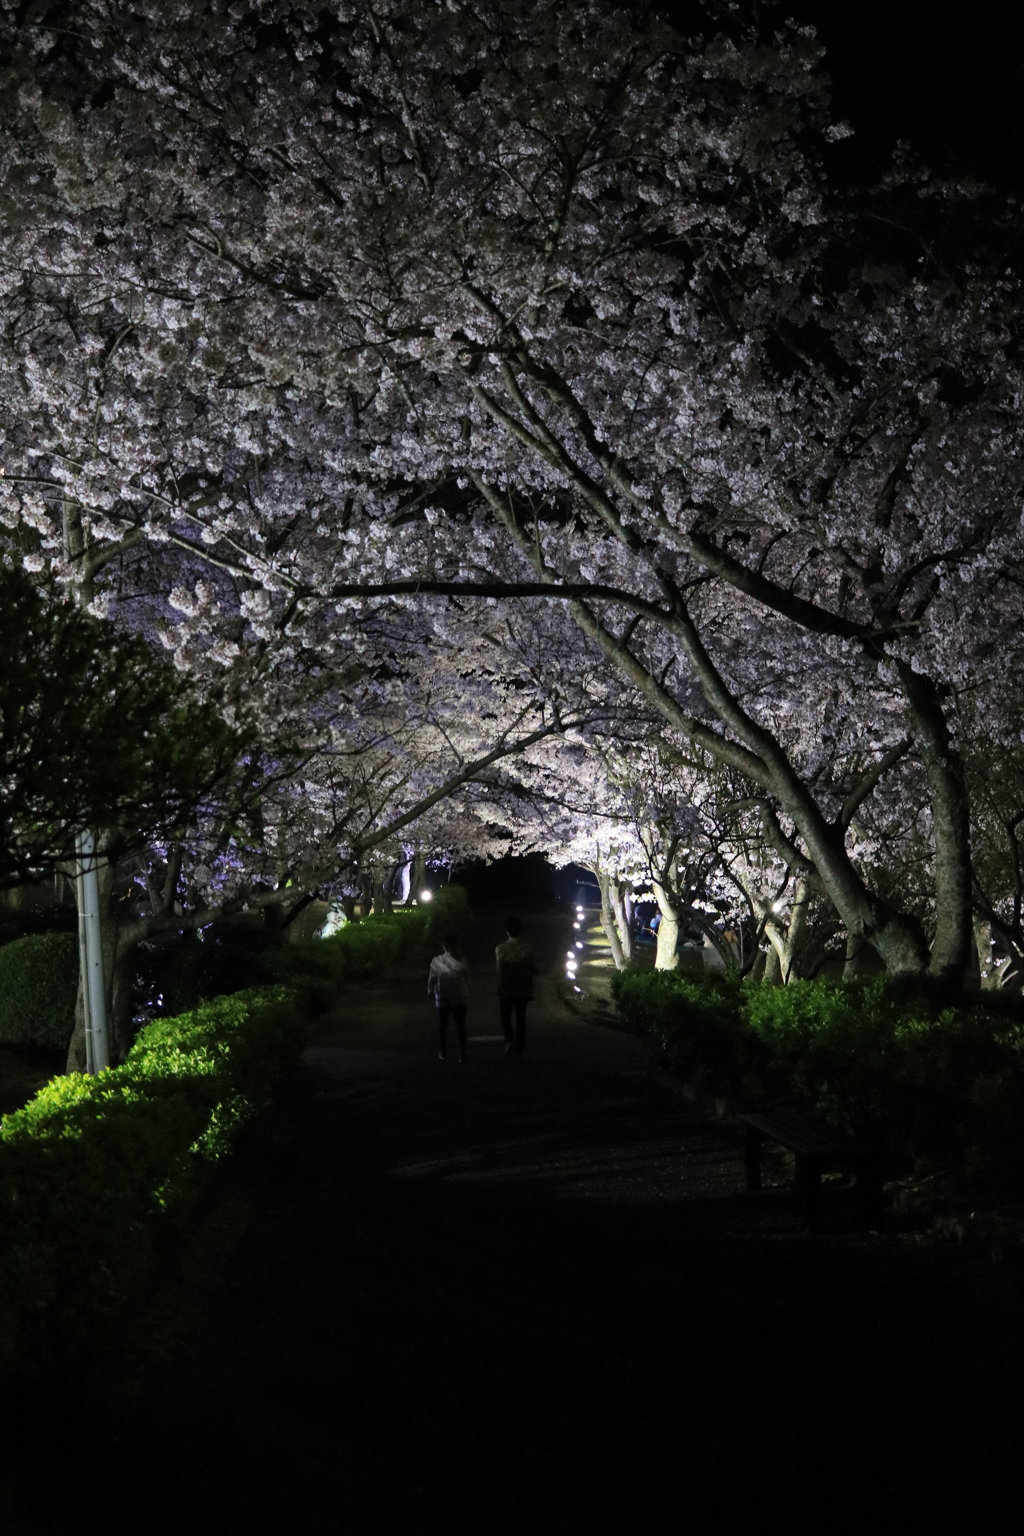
{"points": [[229, 960], [363, 950], [448, 908], [91, 1169], [885, 1059], [38, 984]]}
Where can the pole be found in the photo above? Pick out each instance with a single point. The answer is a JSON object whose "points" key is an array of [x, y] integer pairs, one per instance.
{"points": [[94, 991], [83, 961]]}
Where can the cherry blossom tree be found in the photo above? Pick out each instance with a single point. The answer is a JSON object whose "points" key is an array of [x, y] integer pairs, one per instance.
{"points": [[482, 300]]}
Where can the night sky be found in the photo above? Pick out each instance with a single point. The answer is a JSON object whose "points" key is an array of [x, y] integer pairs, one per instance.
{"points": [[951, 81]]}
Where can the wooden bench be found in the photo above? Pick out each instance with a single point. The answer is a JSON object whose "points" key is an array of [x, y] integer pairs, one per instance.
{"points": [[815, 1147]]}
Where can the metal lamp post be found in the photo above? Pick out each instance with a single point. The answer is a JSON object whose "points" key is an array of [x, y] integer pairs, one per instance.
{"points": [[90, 950]]}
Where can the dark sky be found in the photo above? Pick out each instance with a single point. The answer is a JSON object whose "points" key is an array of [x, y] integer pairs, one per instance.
{"points": [[951, 81]]}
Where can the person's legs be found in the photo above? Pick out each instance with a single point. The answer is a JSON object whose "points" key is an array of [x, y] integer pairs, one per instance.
{"points": [[505, 1014], [459, 1015], [520, 1025], [443, 1010]]}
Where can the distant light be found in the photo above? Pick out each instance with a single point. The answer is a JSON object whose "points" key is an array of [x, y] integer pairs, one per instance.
{"points": [[571, 954], [578, 944], [426, 895]]}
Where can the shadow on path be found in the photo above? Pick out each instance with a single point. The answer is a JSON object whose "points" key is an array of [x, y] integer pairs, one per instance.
{"points": [[529, 1296]]}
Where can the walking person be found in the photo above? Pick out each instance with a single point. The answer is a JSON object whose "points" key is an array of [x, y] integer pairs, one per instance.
{"points": [[446, 985], [516, 970]]}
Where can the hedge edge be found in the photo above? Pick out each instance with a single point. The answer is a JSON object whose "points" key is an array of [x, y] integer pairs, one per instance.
{"points": [[92, 1168]]}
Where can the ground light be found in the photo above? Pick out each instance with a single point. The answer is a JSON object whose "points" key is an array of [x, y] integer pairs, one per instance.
{"points": [[426, 895]]}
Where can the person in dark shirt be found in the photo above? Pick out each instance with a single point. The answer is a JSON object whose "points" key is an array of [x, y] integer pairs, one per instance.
{"points": [[516, 970]]}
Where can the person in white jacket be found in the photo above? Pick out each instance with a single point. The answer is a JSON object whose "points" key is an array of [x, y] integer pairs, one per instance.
{"points": [[446, 984]]}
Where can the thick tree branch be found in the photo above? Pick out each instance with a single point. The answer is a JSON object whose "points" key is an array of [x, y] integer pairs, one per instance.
{"points": [[860, 792]]}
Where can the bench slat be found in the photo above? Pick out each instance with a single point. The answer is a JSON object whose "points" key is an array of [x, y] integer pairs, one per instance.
{"points": [[803, 1136]]}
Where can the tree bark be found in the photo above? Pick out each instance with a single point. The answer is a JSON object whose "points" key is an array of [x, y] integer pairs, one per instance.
{"points": [[620, 911], [796, 933], [667, 956], [608, 917], [856, 952], [951, 826]]}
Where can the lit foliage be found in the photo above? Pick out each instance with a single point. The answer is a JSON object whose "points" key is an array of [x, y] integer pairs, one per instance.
{"points": [[91, 1163], [323, 302]]}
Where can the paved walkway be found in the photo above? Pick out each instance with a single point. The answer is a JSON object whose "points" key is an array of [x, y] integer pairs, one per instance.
{"points": [[530, 1297]]}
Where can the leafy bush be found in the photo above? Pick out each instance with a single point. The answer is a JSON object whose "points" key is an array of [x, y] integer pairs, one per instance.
{"points": [[881, 1058], [38, 983], [692, 1023], [362, 950], [885, 1059], [92, 1167], [232, 959], [448, 909]]}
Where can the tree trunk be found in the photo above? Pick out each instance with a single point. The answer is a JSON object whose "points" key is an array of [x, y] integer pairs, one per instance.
{"points": [[992, 973], [796, 933], [76, 1050], [856, 953], [772, 967], [618, 895], [951, 947], [667, 957], [608, 918]]}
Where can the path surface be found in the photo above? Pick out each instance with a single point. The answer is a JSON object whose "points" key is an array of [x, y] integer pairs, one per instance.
{"points": [[528, 1296]]}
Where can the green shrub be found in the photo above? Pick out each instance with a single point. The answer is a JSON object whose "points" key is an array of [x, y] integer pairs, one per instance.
{"points": [[886, 1059], [38, 984], [367, 949], [229, 960], [879, 1058], [691, 1023], [448, 910], [92, 1167]]}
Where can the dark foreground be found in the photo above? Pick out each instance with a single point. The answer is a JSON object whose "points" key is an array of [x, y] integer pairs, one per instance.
{"points": [[528, 1296]]}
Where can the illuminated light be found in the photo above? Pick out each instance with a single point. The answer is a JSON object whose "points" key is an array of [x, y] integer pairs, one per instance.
{"points": [[577, 925], [578, 944], [577, 989], [426, 895], [571, 954]]}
